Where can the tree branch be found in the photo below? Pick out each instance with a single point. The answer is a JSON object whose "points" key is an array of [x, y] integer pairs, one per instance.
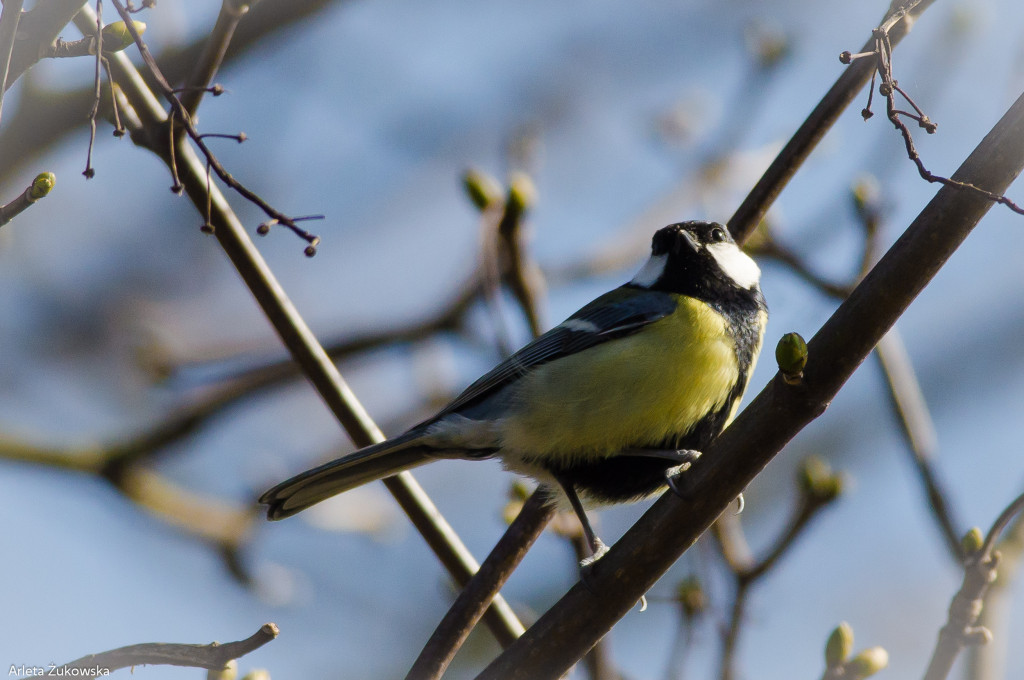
{"points": [[43, 118], [37, 29], [471, 603], [979, 573], [292, 328], [213, 656], [663, 533], [214, 51], [818, 488], [753, 208], [919, 432], [226, 526], [9, 20]]}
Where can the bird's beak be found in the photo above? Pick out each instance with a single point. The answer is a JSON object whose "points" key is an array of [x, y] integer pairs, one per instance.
{"points": [[688, 238]]}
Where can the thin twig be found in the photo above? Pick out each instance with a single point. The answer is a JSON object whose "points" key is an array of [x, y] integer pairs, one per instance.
{"points": [[89, 172], [919, 433], [889, 88], [185, 121], [770, 248], [979, 573], [227, 526], [730, 639], [469, 606], [523, 275], [988, 662], [119, 129], [300, 341], [9, 20], [231, 12], [818, 488], [806, 138], [490, 274], [44, 117], [214, 656], [37, 29]]}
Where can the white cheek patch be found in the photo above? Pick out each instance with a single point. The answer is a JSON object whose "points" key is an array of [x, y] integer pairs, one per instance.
{"points": [[651, 271], [735, 264]]}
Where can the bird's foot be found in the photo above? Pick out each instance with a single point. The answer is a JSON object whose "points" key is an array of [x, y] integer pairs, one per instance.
{"points": [[680, 479], [598, 549]]}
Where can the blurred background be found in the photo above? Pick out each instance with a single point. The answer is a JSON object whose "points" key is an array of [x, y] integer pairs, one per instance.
{"points": [[117, 312]]}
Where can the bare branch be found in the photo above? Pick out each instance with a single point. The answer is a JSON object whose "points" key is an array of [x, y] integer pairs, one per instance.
{"points": [[214, 656], [979, 573], [9, 20], [523, 275], [818, 487], [37, 29], [756, 204], [889, 88], [471, 603], [665, 531], [919, 432], [988, 662], [225, 525], [216, 47], [185, 120], [293, 330], [43, 117]]}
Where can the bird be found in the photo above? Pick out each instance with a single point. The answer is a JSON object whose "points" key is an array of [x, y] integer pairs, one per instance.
{"points": [[608, 406]]}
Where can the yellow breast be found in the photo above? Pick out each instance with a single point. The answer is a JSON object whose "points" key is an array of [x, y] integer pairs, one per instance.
{"points": [[638, 390]]}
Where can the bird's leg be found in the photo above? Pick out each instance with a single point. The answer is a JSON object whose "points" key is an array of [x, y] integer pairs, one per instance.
{"points": [[597, 546], [680, 484]]}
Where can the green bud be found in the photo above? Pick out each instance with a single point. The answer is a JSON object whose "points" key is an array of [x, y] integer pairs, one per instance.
{"points": [[117, 37], [518, 491], [867, 663], [257, 674], [839, 645], [768, 46], [483, 190], [690, 595], [229, 672], [865, 192], [972, 541], [816, 479], [522, 194], [42, 185], [517, 495], [791, 355]]}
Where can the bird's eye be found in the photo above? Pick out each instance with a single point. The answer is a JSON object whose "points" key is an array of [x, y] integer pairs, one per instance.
{"points": [[717, 235]]}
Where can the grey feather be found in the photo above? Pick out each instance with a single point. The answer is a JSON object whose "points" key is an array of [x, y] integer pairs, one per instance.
{"points": [[360, 467]]}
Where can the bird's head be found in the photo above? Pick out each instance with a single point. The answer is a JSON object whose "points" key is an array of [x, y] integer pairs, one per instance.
{"points": [[697, 258]]}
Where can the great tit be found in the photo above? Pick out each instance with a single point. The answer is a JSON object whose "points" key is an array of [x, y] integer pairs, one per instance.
{"points": [[609, 404]]}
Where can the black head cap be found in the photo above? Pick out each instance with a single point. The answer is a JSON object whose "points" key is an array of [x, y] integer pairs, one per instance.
{"points": [[699, 259]]}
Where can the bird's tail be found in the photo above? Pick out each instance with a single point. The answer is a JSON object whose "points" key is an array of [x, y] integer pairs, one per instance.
{"points": [[360, 467]]}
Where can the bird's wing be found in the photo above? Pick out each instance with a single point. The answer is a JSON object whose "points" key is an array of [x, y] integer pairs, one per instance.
{"points": [[615, 314]]}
